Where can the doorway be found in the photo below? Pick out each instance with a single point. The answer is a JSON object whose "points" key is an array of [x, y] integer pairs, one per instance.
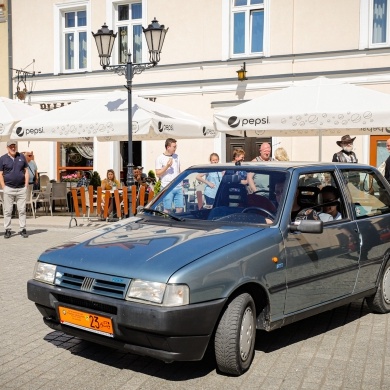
{"points": [[137, 157], [249, 144], [378, 151]]}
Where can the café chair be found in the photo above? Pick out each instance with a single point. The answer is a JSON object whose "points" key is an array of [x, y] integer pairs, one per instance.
{"points": [[59, 192], [44, 197]]}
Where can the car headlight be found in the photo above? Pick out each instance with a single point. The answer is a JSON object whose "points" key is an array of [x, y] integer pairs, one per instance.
{"points": [[45, 272], [159, 293]]}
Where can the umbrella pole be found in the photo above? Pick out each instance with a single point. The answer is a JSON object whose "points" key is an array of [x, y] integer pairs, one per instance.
{"points": [[320, 146]]}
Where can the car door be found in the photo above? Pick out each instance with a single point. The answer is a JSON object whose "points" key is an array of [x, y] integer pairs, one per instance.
{"points": [[370, 201], [322, 267]]}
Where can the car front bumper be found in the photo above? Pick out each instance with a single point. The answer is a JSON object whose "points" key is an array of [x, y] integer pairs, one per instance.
{"points": [[166, 333]]}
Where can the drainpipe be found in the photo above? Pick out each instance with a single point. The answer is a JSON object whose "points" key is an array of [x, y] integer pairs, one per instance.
{"points": [[10, 60]]}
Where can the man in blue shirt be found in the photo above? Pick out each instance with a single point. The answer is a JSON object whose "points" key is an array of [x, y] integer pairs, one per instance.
{"points": [[14, 183], [82, 181]]}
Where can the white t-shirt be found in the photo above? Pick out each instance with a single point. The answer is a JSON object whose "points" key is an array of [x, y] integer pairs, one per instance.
{"points": [[171, 172]]}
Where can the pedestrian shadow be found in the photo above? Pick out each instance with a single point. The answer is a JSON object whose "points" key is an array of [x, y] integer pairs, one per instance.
{"points": [[29, 232], [267, 342], [32, 232]]}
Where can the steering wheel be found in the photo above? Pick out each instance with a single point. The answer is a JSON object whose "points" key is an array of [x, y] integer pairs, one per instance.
{"points": [[268, 213]]}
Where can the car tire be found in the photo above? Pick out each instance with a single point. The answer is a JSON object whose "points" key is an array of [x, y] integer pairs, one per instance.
{"points": [[380, 301], [235, 336]]}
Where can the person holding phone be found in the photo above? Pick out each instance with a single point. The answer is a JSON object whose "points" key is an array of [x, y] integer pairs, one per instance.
{"points": [[167, 168]]}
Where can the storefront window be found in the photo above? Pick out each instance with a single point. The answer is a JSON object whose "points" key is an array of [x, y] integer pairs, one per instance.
{"points": [[74, 156]]}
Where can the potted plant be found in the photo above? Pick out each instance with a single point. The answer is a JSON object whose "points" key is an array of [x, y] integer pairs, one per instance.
{"points": [[95, 180]]}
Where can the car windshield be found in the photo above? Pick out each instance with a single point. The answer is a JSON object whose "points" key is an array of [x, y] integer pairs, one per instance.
{"points": [[237, 194]]}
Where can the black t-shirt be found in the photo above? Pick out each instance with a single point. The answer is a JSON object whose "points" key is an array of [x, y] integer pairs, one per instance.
{"points": [[13, 170]]}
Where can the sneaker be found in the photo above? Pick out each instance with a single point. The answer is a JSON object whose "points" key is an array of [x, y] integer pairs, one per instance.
{"points": [[23, 233], [7, 233]]}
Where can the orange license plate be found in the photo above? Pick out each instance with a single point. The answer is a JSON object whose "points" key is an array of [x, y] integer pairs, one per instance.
{"points": [[86, 321]]}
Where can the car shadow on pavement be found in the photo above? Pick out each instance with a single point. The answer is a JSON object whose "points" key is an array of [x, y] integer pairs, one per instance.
{"points": [[310, 327], [267, 342]]}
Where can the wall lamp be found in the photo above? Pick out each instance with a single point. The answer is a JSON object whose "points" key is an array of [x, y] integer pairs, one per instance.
{"points": [[241, 74]]}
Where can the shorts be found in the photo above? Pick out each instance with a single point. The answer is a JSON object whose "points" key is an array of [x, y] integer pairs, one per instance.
{"points": [[176, 197]]}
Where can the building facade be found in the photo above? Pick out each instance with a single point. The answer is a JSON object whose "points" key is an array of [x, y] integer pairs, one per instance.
{"points": [[280, 41]]}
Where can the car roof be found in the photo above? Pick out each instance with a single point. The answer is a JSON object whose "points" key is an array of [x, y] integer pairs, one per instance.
{"points": [[285, 165]]}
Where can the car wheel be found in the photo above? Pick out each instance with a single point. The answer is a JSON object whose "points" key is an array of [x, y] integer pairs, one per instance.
{"points": [[235, 336], [380, 301]]}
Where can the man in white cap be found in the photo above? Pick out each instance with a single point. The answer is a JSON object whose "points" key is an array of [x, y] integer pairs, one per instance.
{"points": [[14, 179], [346, 154]]}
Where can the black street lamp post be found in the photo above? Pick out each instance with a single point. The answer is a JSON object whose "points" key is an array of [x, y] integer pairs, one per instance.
{"points": [[105, 38]]}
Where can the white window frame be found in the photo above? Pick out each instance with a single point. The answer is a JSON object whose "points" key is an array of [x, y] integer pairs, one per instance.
{"points": [[112, 14], [266, 33], [366, 32], [59, 43]]}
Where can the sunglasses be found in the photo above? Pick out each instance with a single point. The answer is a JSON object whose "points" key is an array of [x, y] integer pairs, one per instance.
{"points": [[29, 155]]}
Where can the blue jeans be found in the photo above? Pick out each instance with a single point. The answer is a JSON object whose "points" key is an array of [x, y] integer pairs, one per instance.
{"points": [[175, 197]]}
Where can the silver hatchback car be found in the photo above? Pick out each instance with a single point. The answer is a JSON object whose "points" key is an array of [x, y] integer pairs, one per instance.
{"points": [[169, 283]]}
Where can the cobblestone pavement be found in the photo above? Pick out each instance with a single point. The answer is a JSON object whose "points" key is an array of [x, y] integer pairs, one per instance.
{"points": [[346, 348]]}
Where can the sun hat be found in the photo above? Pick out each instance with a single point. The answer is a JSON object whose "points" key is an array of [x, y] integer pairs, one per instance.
{"points": [[345, 139]]}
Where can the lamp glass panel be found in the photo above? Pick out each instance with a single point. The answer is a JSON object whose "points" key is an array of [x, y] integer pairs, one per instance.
{"points": [[69, 51], [123, 12], [257, 33], [81, 18], [137, 43], [123, 44], [70, 19], [239, 32], [82, 50]]}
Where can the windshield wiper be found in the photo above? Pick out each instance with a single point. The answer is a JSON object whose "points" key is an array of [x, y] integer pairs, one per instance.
{"points": [[162, 213]]}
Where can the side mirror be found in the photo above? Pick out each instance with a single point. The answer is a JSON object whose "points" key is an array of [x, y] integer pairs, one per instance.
{"points": [[307, 226]]}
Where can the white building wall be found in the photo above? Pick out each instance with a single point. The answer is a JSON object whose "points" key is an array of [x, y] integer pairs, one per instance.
{"points": [[197, 74]]}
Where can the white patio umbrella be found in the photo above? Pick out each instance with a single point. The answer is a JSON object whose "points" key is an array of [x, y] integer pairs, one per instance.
{"points": [[318, 107], [11, 112], [106, 117]]}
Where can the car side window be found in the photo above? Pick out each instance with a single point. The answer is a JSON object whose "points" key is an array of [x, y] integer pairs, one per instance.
{"points": [[319, 192], [368, 193]]}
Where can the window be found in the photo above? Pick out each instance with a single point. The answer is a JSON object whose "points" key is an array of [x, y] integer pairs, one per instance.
{"points": [[374, 24], [74, 156], [248, 27], [379, 21], [74, 38], [368, 193], [129, 27], [319, 192]]}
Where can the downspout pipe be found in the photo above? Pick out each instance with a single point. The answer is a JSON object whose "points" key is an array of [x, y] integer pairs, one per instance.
{"points": [[10, 53]]}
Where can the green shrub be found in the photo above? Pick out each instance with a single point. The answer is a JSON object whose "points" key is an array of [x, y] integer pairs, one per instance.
{"points": [[95, 180]]}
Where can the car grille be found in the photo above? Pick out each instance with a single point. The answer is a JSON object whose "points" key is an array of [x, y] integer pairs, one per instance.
{"points": [[95, 284], [86, 304]]}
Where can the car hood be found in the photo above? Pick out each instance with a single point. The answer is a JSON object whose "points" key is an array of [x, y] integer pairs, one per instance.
{"points": [[146, 251]]}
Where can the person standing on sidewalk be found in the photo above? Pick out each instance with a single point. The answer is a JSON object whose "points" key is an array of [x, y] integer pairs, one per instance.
{"points": [[167, 168], [32, 169], [387, 162], [14, 179]]}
